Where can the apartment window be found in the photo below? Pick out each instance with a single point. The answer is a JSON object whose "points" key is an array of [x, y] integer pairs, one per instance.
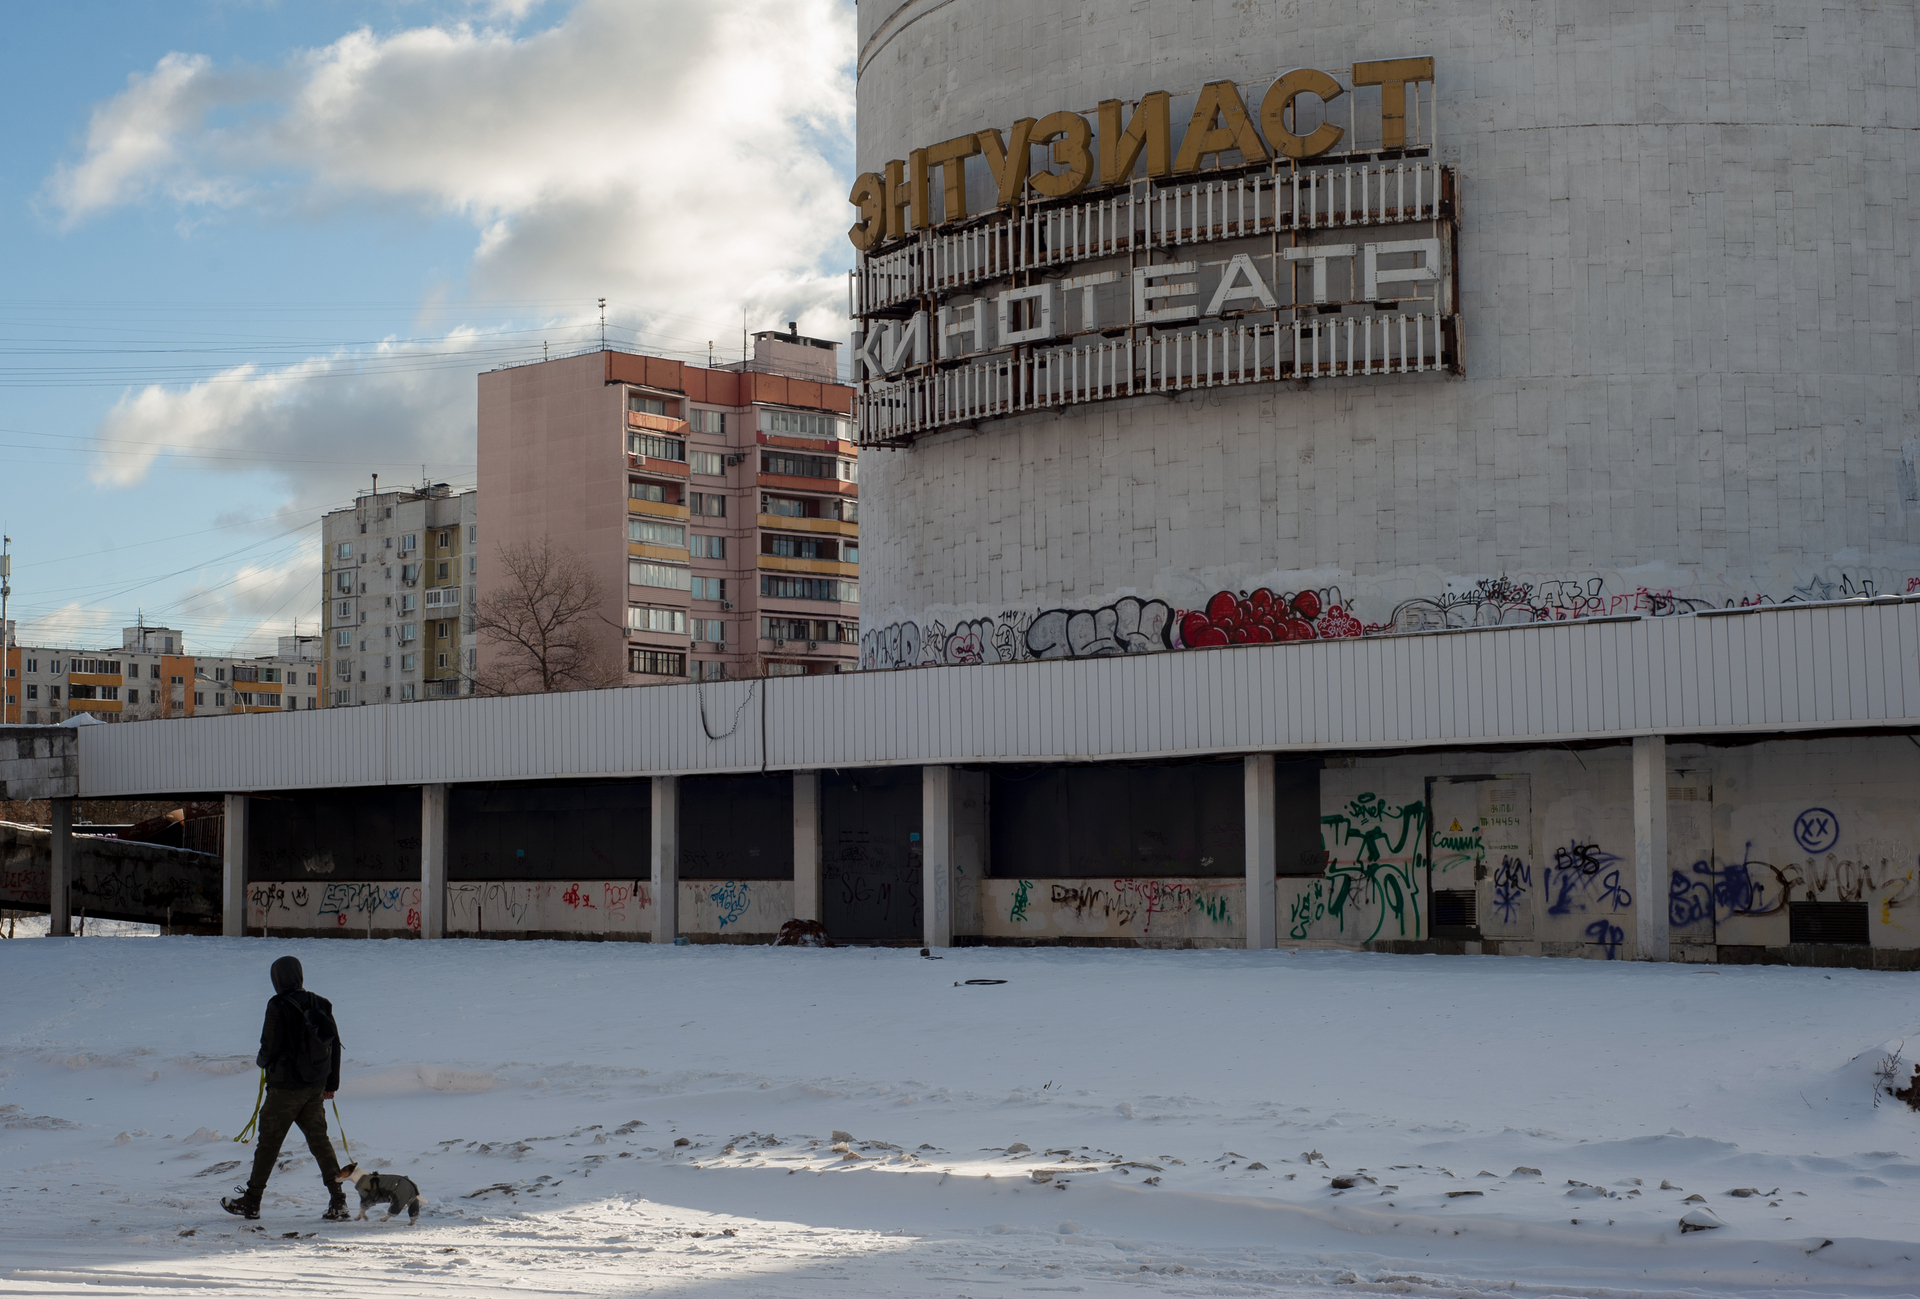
{"points": [[786, 669], [408, 603], [787, 507], [269, 674], [444, 596], [657, 663], [709, 588], [707, 462], [176, 681], [243, 697], [344, 609], [654, 447], [199, 698], [33, 691], [344, 551], [844, 510], [710, 629], [313, 679], [411, 541], [440, 660], [641, 572], [409, 573], [341, 697], [343, 669], [639, 491], [473, 533], [704, 547], [799, 547], [794, 423], [406, 690], [33, 665], [707, 421], [783, 587], [849, 552], [79, 692], [219, 674], [153, 670], [441, 540], [473, 565], [246, 674], [713, 671], [407, 662], [655, 532], [409, 631], [711, 504], [441, 631], [640, 405], [219, 699], [133, 671], [440, 571], [343, 583], [671, 621], [799, 466]]}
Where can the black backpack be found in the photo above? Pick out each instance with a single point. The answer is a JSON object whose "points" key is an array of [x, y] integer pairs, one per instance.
{"points": [[309, 1050]]}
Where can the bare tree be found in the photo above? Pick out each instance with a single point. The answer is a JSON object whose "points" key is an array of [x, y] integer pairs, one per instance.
{"points": [[544, 625]]}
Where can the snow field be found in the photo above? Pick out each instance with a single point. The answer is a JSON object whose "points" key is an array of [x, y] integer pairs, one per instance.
{"points": [[612, 1118]]}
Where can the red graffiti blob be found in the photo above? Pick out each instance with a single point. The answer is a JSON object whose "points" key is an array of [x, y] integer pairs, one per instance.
{"points": [[1260, 617]]}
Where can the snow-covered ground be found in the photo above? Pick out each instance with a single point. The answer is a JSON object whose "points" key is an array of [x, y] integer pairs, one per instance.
{"points": [[617, 1119]]}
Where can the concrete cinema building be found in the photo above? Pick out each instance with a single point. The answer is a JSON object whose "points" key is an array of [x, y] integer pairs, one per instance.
{"points": [[1370, 320]]}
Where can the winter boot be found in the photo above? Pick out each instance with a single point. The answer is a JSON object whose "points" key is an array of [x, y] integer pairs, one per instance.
{"points": [[336, 1207], [242, 1205]]}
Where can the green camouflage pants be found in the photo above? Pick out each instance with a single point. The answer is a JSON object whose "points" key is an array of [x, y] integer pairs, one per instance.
{"points": [[284, 1107]]}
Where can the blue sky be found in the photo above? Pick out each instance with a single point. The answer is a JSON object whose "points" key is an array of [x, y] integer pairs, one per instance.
{"points": [[256, 252]]}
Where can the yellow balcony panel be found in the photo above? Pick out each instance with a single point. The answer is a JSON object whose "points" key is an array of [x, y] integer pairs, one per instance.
{"points": [[90, 705], [641, 550], [838, 527], [830, 567], [658, 509], [93, 678]]}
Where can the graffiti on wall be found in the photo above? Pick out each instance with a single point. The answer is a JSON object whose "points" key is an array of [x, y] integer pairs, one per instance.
{"points": [[1374, 876], [1584, 877], [1181, 907], [730, 901], [1510, 885], [335, 905], [1265, 615]]}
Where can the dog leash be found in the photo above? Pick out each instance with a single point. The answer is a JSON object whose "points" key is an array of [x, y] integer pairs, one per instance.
{"points": [[246, 1133], [343, 1130]]}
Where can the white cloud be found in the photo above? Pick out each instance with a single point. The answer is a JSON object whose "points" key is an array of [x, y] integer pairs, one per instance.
{"points": [[667, 155]]}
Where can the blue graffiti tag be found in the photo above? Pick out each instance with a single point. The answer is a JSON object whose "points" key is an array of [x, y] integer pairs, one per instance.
{"points": [[1816, 830], [1510, 887], [1576, 869], [731, 900], [1607, 935]]}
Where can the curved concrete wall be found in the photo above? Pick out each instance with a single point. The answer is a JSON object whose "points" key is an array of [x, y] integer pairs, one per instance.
{"points": [[1686, 293]]}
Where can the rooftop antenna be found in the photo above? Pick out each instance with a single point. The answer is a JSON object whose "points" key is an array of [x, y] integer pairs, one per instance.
{"points": [[743, 338], [709, 354], [376, 484], [544, 354], [603, 324]]}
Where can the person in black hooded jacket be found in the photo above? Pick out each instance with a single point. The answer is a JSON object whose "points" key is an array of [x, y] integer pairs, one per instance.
{"points": [[295, 1018]]}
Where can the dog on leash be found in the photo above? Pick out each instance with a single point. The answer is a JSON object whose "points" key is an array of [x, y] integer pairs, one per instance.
{"points": [[390, 1189]]}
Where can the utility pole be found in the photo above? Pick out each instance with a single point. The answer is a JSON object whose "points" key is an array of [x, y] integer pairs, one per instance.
{"points": [[6, 590]]}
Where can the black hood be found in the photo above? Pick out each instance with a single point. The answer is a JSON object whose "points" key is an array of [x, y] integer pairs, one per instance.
{"points": [[287, 975]]}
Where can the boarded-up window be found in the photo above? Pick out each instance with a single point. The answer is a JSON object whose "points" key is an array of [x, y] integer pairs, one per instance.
{"points": [[1298, 849], [550, 831], [736, 827], [1118, 821]]}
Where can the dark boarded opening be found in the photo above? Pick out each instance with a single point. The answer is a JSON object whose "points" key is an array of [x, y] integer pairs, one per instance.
{"points": [[736, 827], [1827, 922], [335, 834], [1298, 846], [550, 832], [870, 853], [1118, 821]]}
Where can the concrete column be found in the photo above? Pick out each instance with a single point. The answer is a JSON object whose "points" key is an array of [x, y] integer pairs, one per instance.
{"points": [[809, 881], [1261, 848], [936, 855], [665, 836], [433, 861], [1650, 848], [233, 877], [60, 876]]}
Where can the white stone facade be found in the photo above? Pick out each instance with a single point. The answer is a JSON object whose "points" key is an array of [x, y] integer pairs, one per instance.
{"points": [[1686, 285]]}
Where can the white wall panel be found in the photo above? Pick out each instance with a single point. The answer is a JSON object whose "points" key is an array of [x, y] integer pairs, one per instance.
{"points": [[1772, 668]]}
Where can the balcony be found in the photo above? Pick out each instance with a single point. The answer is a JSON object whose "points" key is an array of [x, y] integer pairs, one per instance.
{"points": [[826, 567], [781, 523]]}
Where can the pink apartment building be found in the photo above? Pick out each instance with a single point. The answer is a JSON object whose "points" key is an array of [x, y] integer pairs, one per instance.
{"points": [[718, 509]]}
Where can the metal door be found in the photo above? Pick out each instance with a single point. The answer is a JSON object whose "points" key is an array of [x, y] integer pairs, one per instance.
{"points": [[1483, 867], [871, 854]]}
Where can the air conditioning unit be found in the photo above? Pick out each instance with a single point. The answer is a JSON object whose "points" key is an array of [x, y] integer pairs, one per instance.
{"points": [[813, 644], [778, 643], [737, 458], [726, 604]]}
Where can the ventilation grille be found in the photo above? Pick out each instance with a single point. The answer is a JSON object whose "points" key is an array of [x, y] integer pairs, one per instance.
{"points": [[1827, 922], [1455, 909]]}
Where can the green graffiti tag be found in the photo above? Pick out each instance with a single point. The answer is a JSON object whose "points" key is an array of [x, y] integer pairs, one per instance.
{"points": [[1018, 912], [1367, 846]]}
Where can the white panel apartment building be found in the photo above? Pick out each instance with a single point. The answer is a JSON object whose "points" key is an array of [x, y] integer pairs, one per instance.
{"points": [[400, 571], [152, 675]]}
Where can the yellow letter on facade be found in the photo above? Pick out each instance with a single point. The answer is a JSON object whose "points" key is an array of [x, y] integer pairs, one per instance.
{"points": [[1277, 107], [1008, 160], [1148, 128], [1393, 76], [907, 194], [1070, 136], [869, 194], [950, 156], [1219, 123]]}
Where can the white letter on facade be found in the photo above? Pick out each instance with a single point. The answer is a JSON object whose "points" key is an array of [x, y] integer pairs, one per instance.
{"points": [[1427, 271], [1042, 327], [1087, 284], [957, 322], [1146, 292], [1319, 256], [1240, 280]]}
